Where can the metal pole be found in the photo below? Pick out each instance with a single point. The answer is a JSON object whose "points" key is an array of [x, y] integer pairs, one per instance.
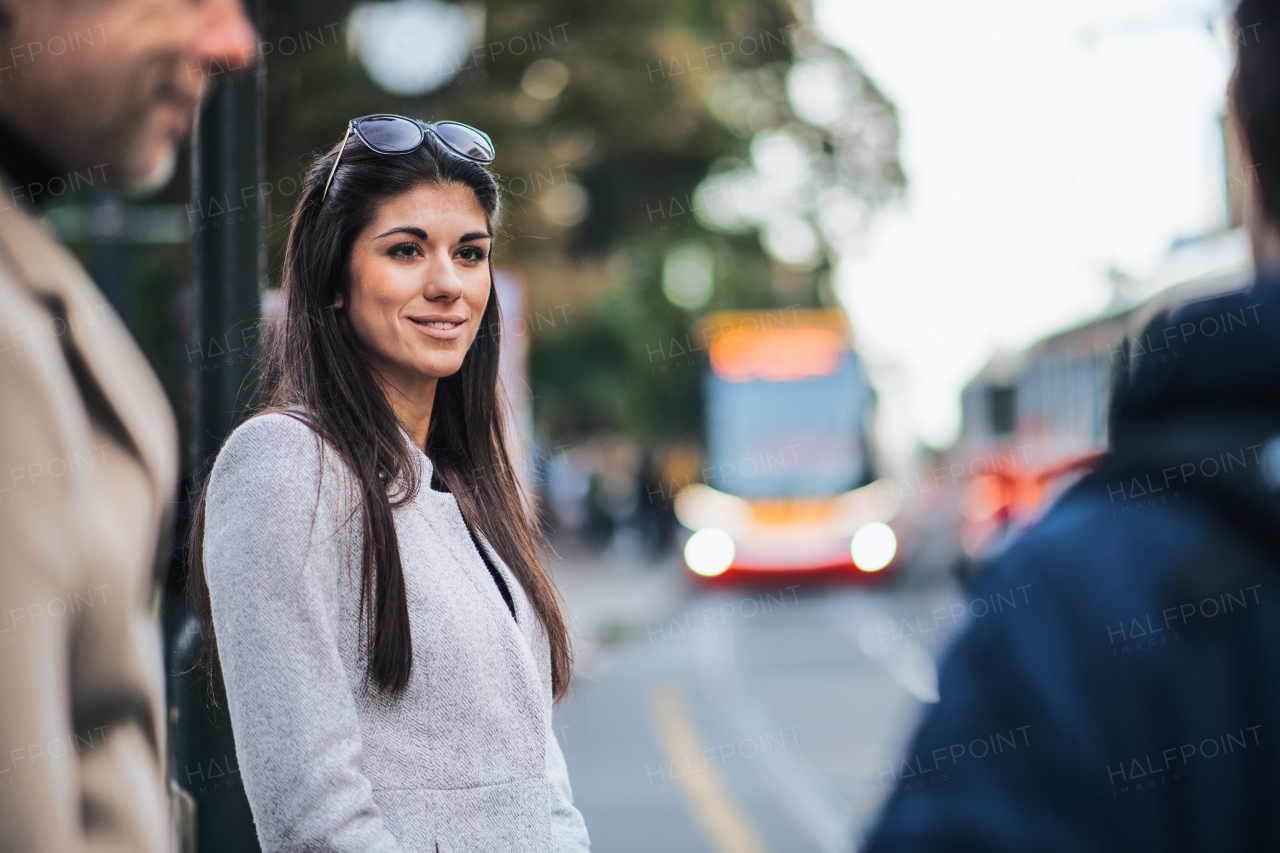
{"points": [[227, 257], [228, 264]]}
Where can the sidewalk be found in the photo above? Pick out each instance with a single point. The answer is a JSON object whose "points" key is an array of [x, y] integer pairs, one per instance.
{"points": [[610, 599]]}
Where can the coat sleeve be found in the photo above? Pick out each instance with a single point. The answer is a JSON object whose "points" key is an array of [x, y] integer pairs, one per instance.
{"points": [[568, 829], [274, 562]]}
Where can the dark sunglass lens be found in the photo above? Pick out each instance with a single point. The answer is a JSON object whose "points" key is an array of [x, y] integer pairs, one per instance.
{"points": [[391, 135], [465, 140]]}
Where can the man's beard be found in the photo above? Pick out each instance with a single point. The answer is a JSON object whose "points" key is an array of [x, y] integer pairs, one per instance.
{"points": [[159, 175], [156, 81]]}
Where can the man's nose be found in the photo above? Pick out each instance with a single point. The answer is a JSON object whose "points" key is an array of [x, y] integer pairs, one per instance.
{"points": [[227, 38]]}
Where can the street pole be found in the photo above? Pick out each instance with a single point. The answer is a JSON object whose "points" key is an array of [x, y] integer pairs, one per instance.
{"points": [[228, 256]]}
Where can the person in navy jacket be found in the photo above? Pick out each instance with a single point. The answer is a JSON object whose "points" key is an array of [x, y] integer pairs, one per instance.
{"points": [[1133, 702]]}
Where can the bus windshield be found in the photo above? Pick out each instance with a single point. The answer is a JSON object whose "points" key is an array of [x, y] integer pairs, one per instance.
{"points": [[797, 437]]}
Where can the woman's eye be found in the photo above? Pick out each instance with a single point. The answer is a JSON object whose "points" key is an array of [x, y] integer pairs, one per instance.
{"points": [[403, 250], [471, 253]]}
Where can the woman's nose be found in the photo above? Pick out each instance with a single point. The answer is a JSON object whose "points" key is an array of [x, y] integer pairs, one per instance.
{"points": [[440, 279]]}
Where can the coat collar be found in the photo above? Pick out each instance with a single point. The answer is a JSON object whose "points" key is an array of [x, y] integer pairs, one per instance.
{"points": [[425, 465], [114, 362]]}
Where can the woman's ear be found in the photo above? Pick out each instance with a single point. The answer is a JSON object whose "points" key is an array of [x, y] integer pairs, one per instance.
{"points": [[338, 301]]}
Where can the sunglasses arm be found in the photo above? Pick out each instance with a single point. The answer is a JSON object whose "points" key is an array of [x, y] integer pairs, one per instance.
{"points": [[336, 160]]}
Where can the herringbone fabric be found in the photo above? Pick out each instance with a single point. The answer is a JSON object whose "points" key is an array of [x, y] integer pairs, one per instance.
{"points": [[465, 759]]}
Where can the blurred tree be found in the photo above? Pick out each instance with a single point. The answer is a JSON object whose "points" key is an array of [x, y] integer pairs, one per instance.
{"points": [[625, 131]]}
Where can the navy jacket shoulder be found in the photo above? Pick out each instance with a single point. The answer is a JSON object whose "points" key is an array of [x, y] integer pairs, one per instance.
{"points": [[1131, 700]]}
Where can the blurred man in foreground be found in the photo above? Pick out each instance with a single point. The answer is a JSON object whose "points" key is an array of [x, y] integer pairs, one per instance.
{"points": [[1133, 702], [90, 91]]}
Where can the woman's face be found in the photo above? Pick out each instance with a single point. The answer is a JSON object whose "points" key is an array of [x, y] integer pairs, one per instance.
{"points": [[419, 284]]}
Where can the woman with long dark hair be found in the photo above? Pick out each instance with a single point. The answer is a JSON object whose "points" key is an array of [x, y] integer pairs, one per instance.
{"points": [[368, 583]]}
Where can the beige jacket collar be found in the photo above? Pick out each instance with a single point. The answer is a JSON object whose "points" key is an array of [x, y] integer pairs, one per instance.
{"points": [[116, 364]]}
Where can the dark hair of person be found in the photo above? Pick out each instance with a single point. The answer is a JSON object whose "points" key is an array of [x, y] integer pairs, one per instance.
{"points": [[312, 370], [1255, 94]]}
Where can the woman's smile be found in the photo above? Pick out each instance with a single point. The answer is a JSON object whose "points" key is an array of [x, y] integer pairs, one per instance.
{"points": [[445, 330]]}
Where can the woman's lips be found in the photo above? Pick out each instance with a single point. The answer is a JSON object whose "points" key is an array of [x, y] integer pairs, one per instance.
{"points": [[436, 332]]}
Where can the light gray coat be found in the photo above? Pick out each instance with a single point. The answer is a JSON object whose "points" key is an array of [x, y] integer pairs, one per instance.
{"points": [[465, 760]]}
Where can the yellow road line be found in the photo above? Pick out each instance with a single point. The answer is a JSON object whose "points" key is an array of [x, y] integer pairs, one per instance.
{"points": [[716, 812]]}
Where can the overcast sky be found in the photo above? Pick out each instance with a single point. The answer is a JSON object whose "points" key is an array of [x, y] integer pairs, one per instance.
{"points": [[1043, 143]]}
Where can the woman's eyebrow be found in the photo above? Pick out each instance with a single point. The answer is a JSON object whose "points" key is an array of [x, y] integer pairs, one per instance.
{"points": [[407, 229], [475, 235]]}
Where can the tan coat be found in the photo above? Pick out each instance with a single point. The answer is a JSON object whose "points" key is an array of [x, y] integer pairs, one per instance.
{"points": [[88, 473]]}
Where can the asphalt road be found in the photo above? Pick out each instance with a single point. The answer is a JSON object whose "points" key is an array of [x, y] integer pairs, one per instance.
{"points": [[747, 721]]}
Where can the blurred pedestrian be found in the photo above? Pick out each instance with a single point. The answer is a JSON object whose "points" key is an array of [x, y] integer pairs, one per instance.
{"points": [[91, 92], [1121, 690], [368, 582]]}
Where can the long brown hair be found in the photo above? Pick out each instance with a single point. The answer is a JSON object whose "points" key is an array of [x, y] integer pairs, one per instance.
{"points": [[313, 371]]}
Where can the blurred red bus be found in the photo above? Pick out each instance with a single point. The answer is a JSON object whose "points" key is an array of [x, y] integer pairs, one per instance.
{"points": [[1041, 413], [787, 485]]}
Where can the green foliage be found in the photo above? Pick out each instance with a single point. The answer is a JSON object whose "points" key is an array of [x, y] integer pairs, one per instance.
{"points": [[633, 127], [658, 97]]}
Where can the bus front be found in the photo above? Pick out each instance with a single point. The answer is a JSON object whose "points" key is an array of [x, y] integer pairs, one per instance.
{"points": [[787, 412]]}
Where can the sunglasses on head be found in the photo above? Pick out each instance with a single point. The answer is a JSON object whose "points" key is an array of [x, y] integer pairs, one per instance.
{"points": [[390, 134]]}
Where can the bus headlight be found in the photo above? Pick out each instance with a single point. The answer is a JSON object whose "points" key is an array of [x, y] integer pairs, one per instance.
{"points": [[874, 546], [709, 552]]}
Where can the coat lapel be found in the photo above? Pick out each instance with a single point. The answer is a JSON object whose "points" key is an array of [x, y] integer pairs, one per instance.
{"points": [[113, 361], [527, 626]]}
